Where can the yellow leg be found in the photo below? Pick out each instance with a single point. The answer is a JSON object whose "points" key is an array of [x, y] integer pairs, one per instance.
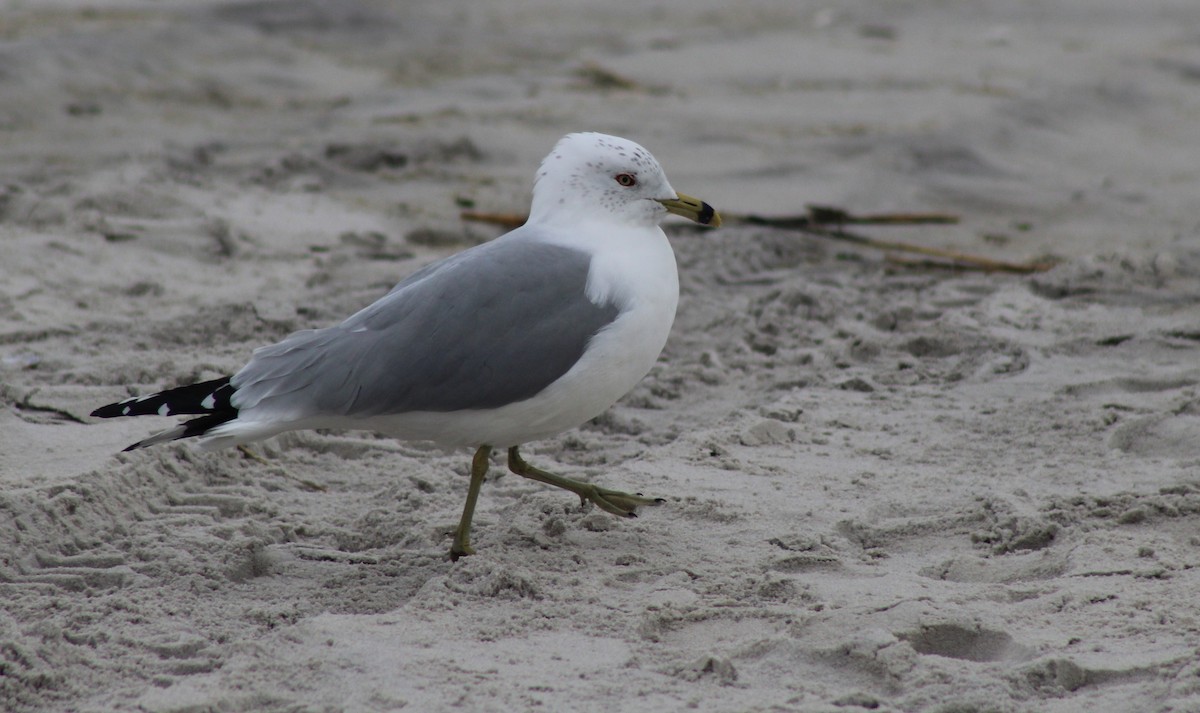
{"points": [[462, 536], [613, 501]]}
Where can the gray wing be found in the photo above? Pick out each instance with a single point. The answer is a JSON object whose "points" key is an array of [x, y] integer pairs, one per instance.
{"points": [[490, 326]]}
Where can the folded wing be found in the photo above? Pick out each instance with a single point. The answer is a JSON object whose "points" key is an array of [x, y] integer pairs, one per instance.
{"points": [[489, 327]]}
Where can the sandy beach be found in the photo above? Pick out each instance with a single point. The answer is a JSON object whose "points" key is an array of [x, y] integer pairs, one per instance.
{"points": [[891, 483]]}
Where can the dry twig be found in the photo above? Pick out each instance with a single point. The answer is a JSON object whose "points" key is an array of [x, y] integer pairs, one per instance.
{"points": [[830, 221]]}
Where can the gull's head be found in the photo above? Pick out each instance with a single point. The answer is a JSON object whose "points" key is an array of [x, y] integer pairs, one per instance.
{"points": [[596, 175]]}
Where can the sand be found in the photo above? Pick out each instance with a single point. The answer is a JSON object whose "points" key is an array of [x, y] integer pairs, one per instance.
{"points": [[889, 486]]}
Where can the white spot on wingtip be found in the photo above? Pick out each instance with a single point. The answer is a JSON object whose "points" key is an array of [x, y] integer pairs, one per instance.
{"points": [[208, 402], [164, 410], [125, 411]]}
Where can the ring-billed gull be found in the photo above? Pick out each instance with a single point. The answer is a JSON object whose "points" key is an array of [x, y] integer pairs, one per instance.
{"points": [[514, 340]]}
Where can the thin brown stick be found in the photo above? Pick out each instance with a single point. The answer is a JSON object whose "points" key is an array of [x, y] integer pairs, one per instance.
{"points": [[822, 215], [828, 222], [957, 259], [507, 220], [944, 264], [826, 214]]}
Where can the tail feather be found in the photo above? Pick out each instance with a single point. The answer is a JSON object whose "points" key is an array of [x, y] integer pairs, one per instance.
{"points": [[211, 399], [187, 429]]}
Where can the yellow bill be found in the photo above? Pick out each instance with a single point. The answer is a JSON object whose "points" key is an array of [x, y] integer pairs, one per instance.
{"points": [[692, 209]]}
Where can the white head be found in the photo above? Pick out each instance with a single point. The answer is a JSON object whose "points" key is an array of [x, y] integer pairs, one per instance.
{"points": [[591, 174]]}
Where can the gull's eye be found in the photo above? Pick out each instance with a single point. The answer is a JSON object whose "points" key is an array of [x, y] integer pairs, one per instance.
{"points": [[626, 179]]}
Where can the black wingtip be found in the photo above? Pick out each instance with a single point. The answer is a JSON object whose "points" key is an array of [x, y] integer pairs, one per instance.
{"points": [[109, 411], [187, 429], [204, 398]]}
